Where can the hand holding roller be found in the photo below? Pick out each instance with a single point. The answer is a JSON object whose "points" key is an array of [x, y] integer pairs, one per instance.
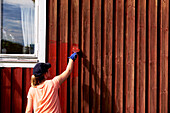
{"points": [[75, 51], [73, 56]]}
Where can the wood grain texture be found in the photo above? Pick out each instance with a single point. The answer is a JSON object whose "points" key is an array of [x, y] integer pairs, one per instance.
{"points": [[129, 55], [141, 57], [95, 90], [119, 56], [152, 56], [85, 58], [106, 49], [163, 56]]}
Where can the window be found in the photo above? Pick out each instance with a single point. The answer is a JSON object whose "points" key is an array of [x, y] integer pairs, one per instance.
{"points": [[23, 32]]}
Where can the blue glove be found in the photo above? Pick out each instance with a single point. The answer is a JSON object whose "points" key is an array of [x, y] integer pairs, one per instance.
{"points": [[73, 56]]}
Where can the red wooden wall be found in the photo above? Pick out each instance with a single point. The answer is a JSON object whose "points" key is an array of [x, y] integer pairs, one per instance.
{"points": [[124, 63]]}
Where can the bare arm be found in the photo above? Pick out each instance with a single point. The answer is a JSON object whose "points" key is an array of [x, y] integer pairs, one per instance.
{"points": [[29, 107], [62, 77]]}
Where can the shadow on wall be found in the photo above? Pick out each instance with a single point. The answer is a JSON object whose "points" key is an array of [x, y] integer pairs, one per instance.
{"points": [[93, 97]]}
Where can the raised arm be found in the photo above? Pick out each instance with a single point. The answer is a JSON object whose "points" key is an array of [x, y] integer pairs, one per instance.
{"points": [[62, 77]]}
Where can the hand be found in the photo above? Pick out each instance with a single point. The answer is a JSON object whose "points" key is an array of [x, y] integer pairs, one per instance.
{"points": [[73, 56]]}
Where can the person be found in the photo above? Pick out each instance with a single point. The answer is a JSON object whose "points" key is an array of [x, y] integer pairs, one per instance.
{"points": [[43, 96]]}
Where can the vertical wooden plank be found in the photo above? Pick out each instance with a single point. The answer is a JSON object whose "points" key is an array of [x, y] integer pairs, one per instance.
{"points": [[119, 41], [96, 57], [163, 69], [27, 72], [52, 37], [141, 57], [74, 41], [129, 55], [16, 90], [85, 58], [62, 41], [6, 90], [107, 56], [152, 56]]}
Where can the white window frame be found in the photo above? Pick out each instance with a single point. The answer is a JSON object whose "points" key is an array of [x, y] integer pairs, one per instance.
{"points": [[29, 60]]}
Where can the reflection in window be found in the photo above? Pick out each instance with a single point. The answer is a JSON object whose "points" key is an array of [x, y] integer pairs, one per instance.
{"points": [[17, 27]]}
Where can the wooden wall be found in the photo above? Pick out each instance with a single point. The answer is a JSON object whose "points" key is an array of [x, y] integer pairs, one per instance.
{"points": [[124, 63]]}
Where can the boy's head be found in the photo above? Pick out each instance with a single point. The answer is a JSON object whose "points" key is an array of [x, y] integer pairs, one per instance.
{"points": [[41, 68]]}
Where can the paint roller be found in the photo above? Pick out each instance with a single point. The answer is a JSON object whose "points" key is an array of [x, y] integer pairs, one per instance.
{"points": [[75, 49]]}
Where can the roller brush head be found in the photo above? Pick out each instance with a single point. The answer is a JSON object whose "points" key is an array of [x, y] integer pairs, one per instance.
{"points": [[75, 49]]}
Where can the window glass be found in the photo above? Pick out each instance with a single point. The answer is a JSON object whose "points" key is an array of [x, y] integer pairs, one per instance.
{"points": [[17, 27]]}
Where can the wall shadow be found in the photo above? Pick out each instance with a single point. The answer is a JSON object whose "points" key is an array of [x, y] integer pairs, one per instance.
{"points": [[89, 93]]}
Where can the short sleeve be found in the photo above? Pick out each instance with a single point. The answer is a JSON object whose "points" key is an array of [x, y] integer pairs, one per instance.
{"points": [[30, 93], [56, 82]]}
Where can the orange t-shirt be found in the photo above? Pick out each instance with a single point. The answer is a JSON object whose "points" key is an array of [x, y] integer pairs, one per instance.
{"points": [[45, 97]]}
